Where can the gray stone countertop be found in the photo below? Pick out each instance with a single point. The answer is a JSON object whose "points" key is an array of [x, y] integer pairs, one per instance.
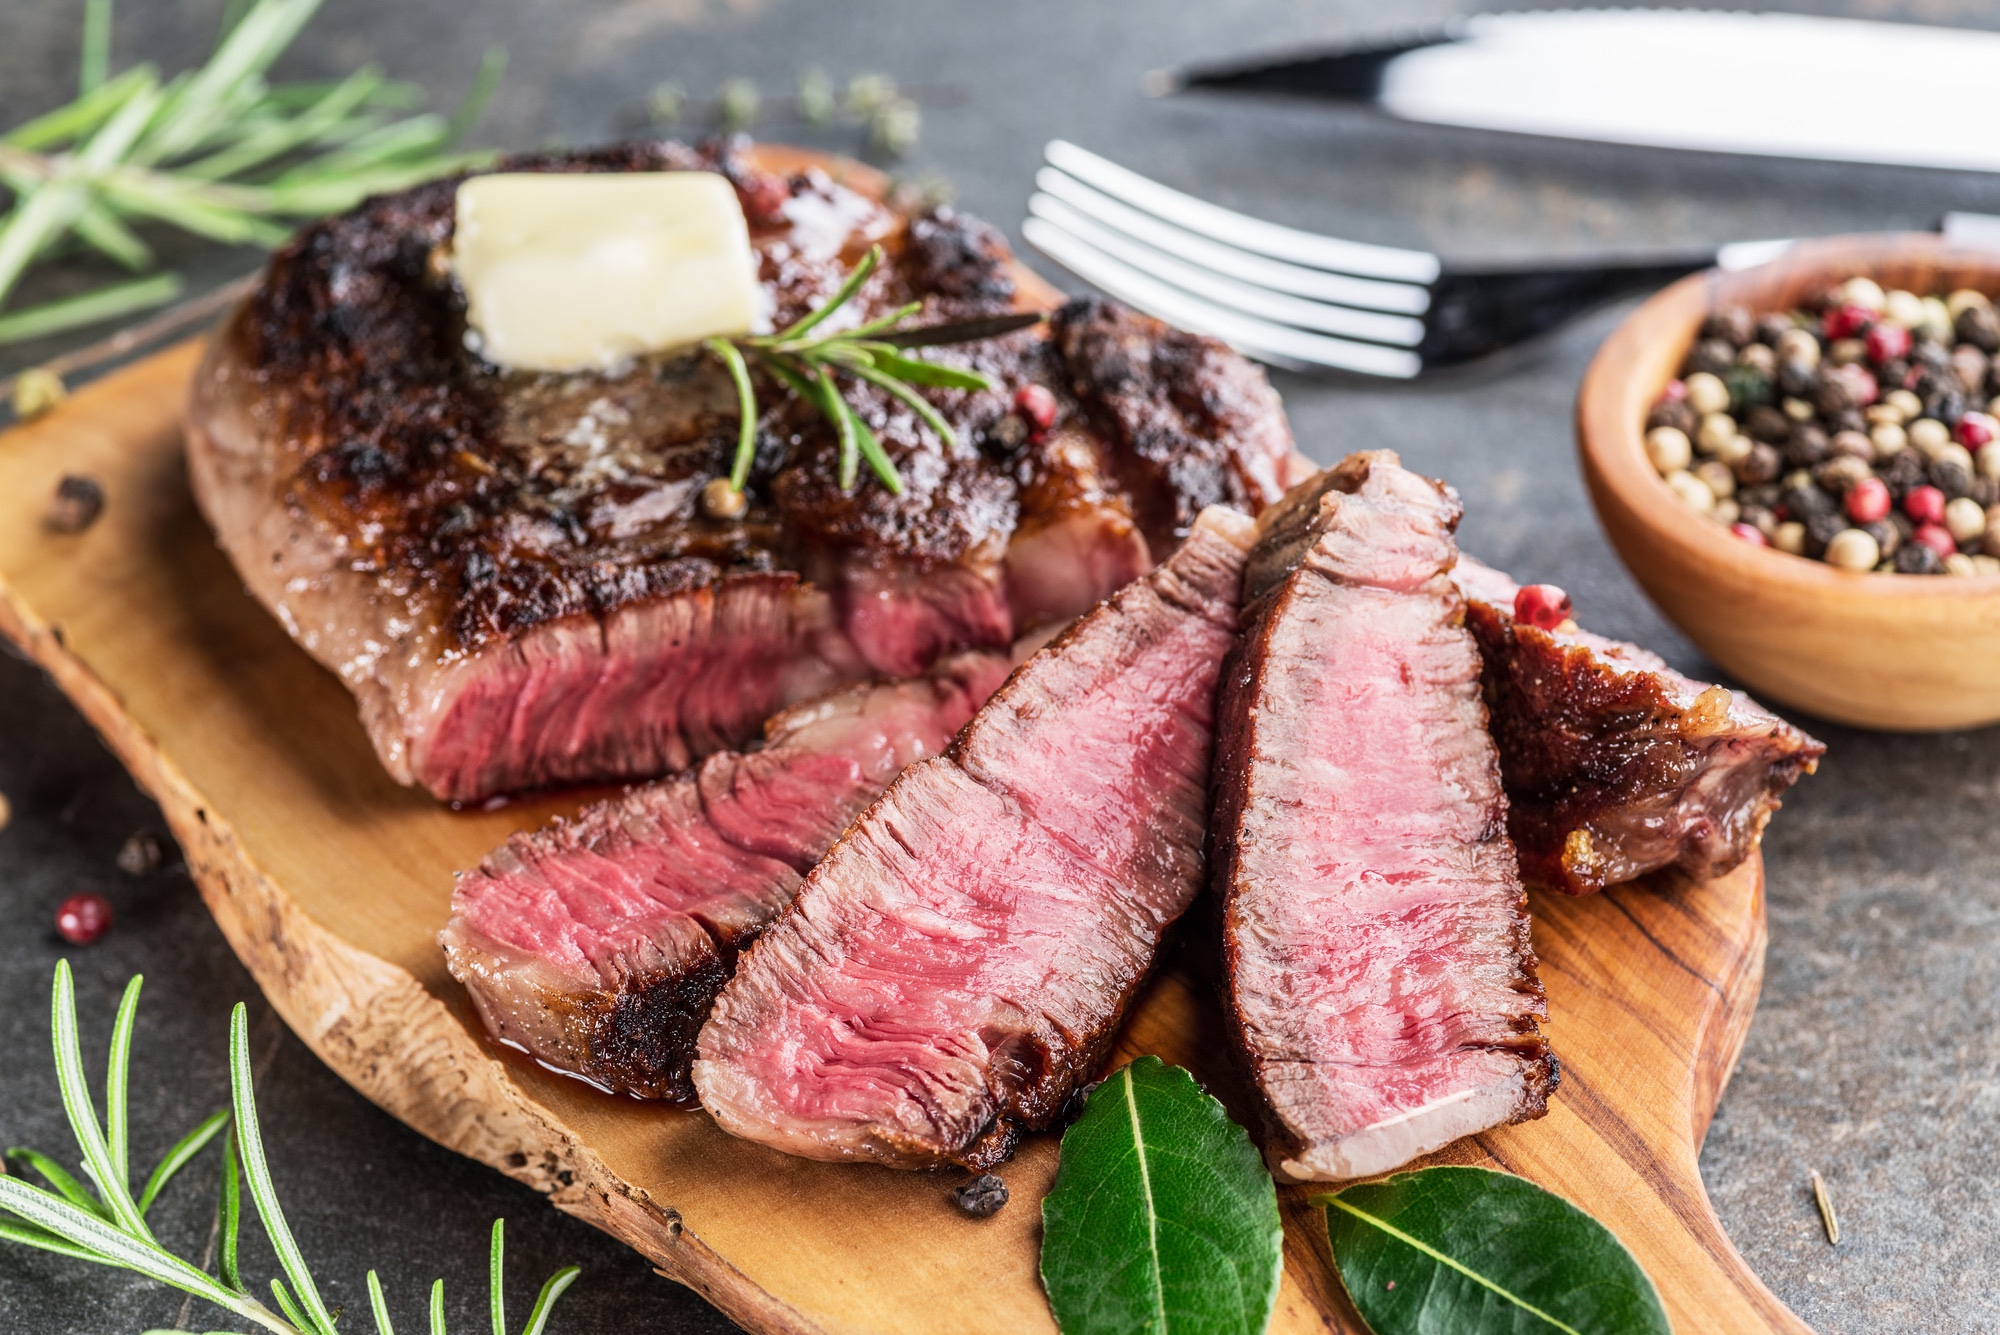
{"points": [[1874, 1057]]}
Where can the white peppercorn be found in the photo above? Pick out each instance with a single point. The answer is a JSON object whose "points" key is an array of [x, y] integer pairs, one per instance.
{"points": [[1936, 322], [1693, 492], [1905, 308], [1846, 351], [1852, 445], [1668, 449], [1851, 549], [1715, 431], [1954, 453], [1928, 435], [719, 500], [1720, 480], [1790, 537], [1706, 393], [1905, 402], [1958, 563], [1983, 564], [1863, 292], [1965, 518], [1799, 410], [1734, 450], [1958, 301], [1726, 512], [1888, 439], [1797, 345]]}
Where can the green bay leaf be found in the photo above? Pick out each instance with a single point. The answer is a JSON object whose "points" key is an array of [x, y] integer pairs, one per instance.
{"points": [[1163, 1219], [1470, 1251]]}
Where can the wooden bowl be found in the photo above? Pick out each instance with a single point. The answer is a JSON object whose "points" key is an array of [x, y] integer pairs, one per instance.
{"points": [[1910, 652]]}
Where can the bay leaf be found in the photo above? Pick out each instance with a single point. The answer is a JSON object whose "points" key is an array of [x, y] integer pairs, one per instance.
{"points": [[1163, 1218], [1471, 1251]]}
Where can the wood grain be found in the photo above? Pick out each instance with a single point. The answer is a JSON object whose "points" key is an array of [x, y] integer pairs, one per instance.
{"points": [[1878, 651], [331, 882]]}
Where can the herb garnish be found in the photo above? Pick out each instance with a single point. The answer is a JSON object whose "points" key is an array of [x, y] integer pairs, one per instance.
{"points": [[109, 1226], [1162, 1218], [217, 151], [874, 352], [1482, 1252]]}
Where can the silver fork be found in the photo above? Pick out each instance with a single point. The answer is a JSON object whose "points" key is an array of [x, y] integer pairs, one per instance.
{"points": [[1309, 302]]}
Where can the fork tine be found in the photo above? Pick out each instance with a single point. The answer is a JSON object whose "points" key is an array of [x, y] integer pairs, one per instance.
{"points": [[1275, 343], [1374, 326], [1372, 294], [1241, 230]]}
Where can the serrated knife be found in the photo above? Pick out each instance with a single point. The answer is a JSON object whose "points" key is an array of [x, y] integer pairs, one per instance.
{"points": [[1776, 85]]}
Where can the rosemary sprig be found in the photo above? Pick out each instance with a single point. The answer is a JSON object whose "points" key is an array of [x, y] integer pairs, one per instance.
{"points": [[217, 151], [809, 364], [109, 1227]]}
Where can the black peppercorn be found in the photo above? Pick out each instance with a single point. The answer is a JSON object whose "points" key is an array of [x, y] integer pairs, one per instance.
{"points": [[983, 1196], [1761, 464], [1760, 517], [1950, 477], [1802, 503], [1712, 355], [1946, 403], [1902, 470], [1748, 387], [1732, 324], [1822, 529], [1892, 373], [1977, 325], [1913, 558], [1765, 496], [1674, 413], [1766, 423], [1772, 326], [1796, 380], [1885, 535], [1986, 490], [1970, 365], [1806, 446], [77, 504], [1832, 396]]}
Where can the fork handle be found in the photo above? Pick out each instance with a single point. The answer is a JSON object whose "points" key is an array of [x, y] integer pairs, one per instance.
{"points": [[1474, 313]]}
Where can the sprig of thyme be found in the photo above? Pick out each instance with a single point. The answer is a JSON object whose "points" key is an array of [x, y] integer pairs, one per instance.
{"points": [[108, 1225], [217, 151], [810, 364]]}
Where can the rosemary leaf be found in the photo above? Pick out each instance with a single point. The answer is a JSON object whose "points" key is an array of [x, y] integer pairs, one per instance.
{"points": [[848, 287], [79, 118], [538, 1316], [437, 1308], [498, 1298], [290, 1308], [30, 1236], [107, 1244], [746, 403], [878, 459], [917, 371], [96, 46], [916, 402], [379, 1306], [843, 419], [230, 1207], [58, 1177], [100, 229], [257, 1173], [177, 1158], [117, 1082], [111, 1188], [279, 136]]}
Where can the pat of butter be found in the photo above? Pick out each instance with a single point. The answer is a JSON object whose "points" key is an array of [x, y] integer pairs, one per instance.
{"points": [[568, 271]]}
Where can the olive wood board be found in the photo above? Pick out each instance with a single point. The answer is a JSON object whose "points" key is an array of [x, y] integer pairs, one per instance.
{"points": [[331, 883]]}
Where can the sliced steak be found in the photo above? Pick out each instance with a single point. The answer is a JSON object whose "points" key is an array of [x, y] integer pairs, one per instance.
{"points": [[512, 572], [960, 961], [598, 944], [1615, 764], [1378, 977]]}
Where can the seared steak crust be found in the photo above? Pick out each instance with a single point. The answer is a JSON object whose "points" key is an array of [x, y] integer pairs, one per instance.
{"points": [[958, 964], [1180, 407], [501, 564], [598, 944], [1379, 983], [1615, 764]]}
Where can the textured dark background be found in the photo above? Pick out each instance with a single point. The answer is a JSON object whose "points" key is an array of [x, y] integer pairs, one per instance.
{"points": [[1874, 1057]]}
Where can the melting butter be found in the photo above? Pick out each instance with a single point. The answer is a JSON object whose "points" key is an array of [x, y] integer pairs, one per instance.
{"points": [[571, 271]]}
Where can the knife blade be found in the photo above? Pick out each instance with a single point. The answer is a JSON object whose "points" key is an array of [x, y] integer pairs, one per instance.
{"points": [[1773, 85]]}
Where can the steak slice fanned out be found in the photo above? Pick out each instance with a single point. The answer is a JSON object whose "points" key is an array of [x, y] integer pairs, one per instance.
{"points": [[513, 572], [598, 944], [1615, 764], [1379, 981], [960, 961]]}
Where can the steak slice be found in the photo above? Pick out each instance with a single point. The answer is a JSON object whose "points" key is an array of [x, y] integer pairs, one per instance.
{"points": [[960, 961], [598, 944], [1615, 764], [512, 572], [1379, 981]]}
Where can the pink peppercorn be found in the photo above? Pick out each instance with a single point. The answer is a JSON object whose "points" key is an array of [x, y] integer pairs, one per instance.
{"points": [[1924, 505], [1035, 403], [1887, 342], [82, 919], [1675, 391], [1750, 533], [1975, 430], [1845, 321], [1936, 537], [1867, 500], [1542, 605], [1861, 382]]}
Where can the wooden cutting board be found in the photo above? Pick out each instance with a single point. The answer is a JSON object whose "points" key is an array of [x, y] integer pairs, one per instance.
{"points": [[331, 882]]}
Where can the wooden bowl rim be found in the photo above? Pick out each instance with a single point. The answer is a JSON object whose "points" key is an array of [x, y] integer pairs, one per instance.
{"points": [[1611, 440]]}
